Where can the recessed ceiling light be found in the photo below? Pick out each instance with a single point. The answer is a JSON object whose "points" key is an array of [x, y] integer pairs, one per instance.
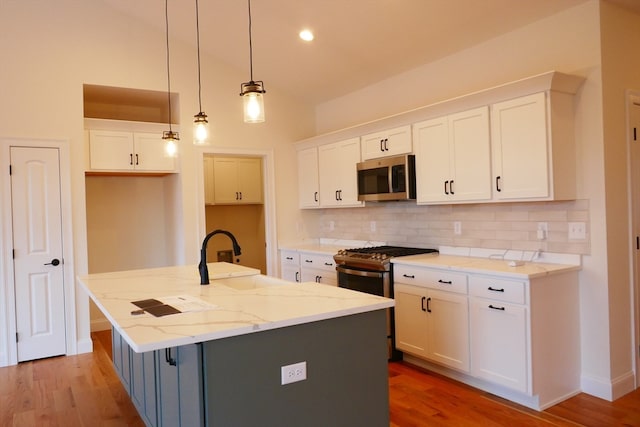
{"points": [[306, 35]]}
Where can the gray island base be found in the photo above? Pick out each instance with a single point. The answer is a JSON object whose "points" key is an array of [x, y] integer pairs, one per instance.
{"points": [[219, 361], [236, 381]]}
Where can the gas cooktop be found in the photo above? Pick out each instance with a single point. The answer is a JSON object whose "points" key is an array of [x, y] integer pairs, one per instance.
{"points": [[376, 257]]}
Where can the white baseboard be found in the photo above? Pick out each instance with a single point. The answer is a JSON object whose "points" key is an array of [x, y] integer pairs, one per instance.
{"points": [[608, 389], [85, 346]]}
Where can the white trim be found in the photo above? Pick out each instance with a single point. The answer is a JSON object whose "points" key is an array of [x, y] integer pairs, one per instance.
{"points": [[633, 97], [268, 174], [8, 346]]}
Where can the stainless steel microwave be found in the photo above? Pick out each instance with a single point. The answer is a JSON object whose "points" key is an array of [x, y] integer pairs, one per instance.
{"points": [[389, 178]]}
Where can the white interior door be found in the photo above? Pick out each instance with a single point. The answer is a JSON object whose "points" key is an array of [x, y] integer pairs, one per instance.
{"points": [[37, 243], [633, 118]]}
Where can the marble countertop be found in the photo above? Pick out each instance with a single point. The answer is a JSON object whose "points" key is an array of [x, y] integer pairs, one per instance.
{"points": [[500, 267], [242, 300]]}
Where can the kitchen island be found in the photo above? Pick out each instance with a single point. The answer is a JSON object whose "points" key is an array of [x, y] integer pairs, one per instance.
{"points": [[223, 360]]}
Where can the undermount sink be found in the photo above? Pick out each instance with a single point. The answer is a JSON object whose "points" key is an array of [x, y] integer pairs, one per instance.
{"points": [[249, 282]]}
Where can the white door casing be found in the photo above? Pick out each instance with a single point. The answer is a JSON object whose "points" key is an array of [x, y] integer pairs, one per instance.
{"points": [[633, 126], [37, 248]]}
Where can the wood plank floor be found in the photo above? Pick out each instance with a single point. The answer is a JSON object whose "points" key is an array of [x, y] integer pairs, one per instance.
{"points": [[84, 390]]}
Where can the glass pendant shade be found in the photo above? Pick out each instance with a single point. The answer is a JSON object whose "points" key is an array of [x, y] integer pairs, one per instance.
{"points": [[200, 129], [253, 102], [170, 143]]}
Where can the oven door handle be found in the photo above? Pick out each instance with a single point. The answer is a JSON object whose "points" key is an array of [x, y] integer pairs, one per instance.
{"points": [[374, 274]]}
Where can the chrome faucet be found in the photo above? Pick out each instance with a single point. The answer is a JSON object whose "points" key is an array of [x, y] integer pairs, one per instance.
{"points": [[202, 267]]}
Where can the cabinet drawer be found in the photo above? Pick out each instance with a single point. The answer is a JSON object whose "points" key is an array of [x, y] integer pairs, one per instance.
{"points": [[289, 258], [323, 262], [498, 289], [434, 279]]}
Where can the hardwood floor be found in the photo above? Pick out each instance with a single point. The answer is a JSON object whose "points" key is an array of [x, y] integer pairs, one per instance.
{"points": [[84, 390]]}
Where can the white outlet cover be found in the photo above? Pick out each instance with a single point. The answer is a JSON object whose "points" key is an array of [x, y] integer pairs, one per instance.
{"points": [[293, 373]]}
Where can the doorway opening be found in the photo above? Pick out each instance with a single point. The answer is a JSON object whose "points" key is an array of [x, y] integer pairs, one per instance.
{"points": [[238, 195], [234, 201]]}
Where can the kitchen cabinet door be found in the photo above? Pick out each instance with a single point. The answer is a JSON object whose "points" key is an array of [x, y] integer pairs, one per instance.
{"points": [[308, 179], [499, 343], [121, 359], [209, 194], [237, 180], [519, 137], [386, 143], [433, 325], [180, 390], [453, 158], [318, 268], [143, 385], [128, 151], [411, 319], [533, 148], [290, 265], [338, 176], [149, 153], [111, 150], [448, 329]]}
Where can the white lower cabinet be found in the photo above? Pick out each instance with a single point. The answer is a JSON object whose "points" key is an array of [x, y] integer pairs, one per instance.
{"points": [[319, 268], [518, 338], [433, 324], [300, 266], [499, 343], [290, 265]]}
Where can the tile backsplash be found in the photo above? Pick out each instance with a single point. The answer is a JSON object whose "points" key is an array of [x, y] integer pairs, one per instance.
{"points": [[491, 225]]}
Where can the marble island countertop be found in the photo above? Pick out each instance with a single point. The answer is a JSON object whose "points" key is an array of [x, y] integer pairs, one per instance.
{"points": [[501, 267], [239, 301]]}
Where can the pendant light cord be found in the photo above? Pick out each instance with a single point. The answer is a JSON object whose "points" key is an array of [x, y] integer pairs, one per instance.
{"points": [[198, 48], [250, 44], [166, 17]]}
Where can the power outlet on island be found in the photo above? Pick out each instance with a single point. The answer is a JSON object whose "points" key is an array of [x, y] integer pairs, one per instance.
{"points": [[293, 373]]}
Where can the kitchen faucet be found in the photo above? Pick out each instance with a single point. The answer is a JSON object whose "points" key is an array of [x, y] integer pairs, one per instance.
{"points": [[202, 267]]}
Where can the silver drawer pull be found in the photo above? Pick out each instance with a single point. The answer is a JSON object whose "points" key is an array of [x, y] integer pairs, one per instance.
{"points": [[495, 289]]}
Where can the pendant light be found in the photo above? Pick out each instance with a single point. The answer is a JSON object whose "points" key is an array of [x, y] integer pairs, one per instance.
{"points": [[200, 122], [252, 91], [170, 137]]}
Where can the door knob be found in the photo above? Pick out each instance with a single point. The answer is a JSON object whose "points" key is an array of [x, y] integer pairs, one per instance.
{"points": [[53, 262]]}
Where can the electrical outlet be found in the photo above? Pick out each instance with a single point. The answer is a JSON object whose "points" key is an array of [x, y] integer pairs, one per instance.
{"points": [[457, 227], [577, 231], [543, 229], [332, 225], [293, 373], [372, 226]]}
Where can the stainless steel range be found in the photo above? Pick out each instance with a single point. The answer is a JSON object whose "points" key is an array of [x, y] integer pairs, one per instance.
{"points": [[370, 270]]}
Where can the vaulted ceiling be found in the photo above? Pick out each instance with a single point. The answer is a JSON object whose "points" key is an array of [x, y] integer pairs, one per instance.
{"points": [[357, 42]]}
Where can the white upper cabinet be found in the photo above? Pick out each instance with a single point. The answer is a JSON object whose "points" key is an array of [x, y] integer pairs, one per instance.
{"points": [[533, 148], [338, 176], [386, 143], [128, 151], [453, 158], [236, 180], [308, 179]]}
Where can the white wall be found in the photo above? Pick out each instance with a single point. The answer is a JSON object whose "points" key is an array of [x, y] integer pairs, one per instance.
{"points": [[568, 42], [50, 49]]}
